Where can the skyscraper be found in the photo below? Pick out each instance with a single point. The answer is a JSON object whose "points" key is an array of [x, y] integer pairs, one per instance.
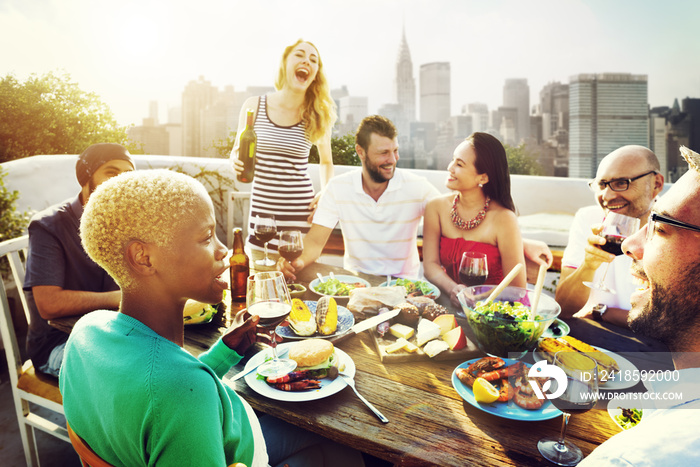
{"points": [[405, 88], [554, 107], [607, 110], [196, 97], [516, 95], [435, 92]]}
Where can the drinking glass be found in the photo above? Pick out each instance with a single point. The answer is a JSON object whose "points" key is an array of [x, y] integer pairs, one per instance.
{"points": [[291, 245], [473, 269], [268, 297], [580, 374], [616, 228], [265, 230]]}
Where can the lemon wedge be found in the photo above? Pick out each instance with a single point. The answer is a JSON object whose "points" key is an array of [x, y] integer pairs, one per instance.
{"points": [[484, 392]]}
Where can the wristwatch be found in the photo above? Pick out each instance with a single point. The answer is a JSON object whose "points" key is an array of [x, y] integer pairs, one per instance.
{"points": [[598, 311]]}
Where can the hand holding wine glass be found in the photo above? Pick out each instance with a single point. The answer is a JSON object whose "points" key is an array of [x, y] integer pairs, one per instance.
{"points": [[265, 230], [616, 228], [268, 297], [473, 268], [291, 245], [579, 395]]}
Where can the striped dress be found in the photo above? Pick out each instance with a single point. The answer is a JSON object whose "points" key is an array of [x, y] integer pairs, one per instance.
{"points": [[281, 186]]}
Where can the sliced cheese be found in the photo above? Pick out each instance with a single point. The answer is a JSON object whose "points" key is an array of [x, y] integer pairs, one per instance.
{"points": [[435, 347], [399, 331], [396, 346], [427, 331], [409, 347]]}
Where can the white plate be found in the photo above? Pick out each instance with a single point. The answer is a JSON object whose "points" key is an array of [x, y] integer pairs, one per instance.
{"points": [[328, 387], [622, 362], [346, 320], [341, 278], [435, 291], [614, 410]]}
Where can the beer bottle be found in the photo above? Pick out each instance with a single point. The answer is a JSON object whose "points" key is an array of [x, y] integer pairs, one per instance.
{"points": [[240, 269], [246, 150]]}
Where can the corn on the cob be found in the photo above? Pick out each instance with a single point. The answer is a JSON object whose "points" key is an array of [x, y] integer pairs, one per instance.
{"points": [[602, 358], [327, 315], [301, 320]]}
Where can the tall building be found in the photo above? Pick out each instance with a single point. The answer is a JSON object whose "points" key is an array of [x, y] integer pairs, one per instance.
{"points": [[435, 92], [516, 94], [607, 110], [196, 97], [480, 116], [405, 86], [554, 108], [351, 111]]}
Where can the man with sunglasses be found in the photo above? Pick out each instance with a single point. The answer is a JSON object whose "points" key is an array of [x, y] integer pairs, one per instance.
{"points": [[627, 182], [665, 306]]}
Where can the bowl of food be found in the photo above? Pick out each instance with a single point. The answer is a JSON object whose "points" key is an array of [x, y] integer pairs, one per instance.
{"points": [[504, 327], [337, 286], [296, 290]]}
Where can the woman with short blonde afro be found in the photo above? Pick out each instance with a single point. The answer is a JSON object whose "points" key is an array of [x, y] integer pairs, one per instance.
{"points": [[146, 205]]}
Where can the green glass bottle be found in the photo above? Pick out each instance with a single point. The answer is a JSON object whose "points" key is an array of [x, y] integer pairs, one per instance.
{"points": [[246, 150]]}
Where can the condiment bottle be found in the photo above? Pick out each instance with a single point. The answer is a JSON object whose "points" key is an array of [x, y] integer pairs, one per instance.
{"points": [[240, 268]]}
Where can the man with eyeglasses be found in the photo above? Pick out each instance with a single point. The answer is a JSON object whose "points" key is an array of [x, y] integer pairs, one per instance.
{"points": [[666, 306], [627, 182]]}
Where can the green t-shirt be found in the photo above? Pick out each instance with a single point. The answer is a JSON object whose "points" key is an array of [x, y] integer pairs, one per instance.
{"points": [[137, 398]]}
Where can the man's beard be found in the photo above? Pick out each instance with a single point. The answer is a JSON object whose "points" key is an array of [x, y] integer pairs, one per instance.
{"points": [[374, 174], [671, 311]]}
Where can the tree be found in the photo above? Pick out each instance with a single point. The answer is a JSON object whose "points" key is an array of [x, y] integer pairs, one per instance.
{"points": [[50, 114], [343, 149], [521, 162]]}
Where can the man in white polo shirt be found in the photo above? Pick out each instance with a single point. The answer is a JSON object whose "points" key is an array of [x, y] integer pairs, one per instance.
{"points": [[379, 208]]}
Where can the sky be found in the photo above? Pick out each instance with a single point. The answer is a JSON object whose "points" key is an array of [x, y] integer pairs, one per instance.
{"points": [[131, 52]]}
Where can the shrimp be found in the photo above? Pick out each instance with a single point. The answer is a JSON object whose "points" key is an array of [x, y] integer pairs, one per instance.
{"points": [[525, 396], [483, 365]]}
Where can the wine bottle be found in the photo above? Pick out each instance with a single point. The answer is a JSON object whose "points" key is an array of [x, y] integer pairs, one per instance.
{"points": [[240, 268], [246, 150]]}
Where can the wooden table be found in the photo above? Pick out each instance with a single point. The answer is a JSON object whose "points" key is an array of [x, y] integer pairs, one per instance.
{"points": [[430, 424]]}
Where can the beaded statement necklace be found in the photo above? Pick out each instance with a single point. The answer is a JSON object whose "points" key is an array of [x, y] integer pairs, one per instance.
{"points": [[472, 223]]}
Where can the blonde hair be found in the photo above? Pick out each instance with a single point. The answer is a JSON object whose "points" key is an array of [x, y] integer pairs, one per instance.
{"points": [[318, 112], [145, 205]]}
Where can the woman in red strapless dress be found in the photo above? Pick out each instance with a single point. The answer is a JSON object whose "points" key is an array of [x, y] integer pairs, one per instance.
{"points": [[479, 215]]}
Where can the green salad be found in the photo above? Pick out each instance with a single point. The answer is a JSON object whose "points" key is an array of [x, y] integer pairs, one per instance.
{"points": [[416, 287], [628, 418], [336, 288], [505, 327]]}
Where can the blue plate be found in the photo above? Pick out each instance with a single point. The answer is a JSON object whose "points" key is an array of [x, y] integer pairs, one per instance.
{"points": [[342, 278], [503, 409], [434, 291], [346, 320]]}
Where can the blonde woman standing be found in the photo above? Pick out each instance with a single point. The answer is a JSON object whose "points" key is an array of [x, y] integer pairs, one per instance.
{"points": [[301, 113]]}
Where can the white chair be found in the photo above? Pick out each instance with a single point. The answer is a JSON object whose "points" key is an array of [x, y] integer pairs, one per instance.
{"points": [[28, 385], [238, 201]]}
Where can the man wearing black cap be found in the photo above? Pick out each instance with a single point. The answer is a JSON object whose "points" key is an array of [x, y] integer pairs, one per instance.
{"points": [[61, 279]]}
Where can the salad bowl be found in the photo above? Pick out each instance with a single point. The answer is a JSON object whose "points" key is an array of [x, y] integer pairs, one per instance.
{"points": [[504, 328]]}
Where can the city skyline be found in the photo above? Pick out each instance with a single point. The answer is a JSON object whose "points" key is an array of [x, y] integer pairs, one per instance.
{"points": [[135, 52]]}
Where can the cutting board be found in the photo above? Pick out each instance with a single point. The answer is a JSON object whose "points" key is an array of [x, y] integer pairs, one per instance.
{"points": [[381, 343]]}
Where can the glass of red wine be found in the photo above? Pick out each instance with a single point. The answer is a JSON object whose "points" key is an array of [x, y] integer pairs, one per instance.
{"points": [[265, 230], [473, 269], [291, 245], [616, 228], [268, 297], [579, 394]]}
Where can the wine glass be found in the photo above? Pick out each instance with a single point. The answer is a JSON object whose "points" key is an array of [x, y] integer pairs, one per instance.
{"points": [[265, 230], [268, 297], [291, 245], [616, 228], [473, 269], [580, 374]]}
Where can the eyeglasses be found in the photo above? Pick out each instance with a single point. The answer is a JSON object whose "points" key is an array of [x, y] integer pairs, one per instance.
{"points": [[655, 218], [618, 184]]}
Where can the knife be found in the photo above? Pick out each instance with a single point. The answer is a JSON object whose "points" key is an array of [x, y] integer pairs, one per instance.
{"points": [[366, 324], [246, 373]]}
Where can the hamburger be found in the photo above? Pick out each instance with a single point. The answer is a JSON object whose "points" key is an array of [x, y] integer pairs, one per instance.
{"points": [[315, 355]]}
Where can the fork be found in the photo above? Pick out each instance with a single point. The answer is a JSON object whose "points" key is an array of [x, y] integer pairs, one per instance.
{"points": [[351, 382]]}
